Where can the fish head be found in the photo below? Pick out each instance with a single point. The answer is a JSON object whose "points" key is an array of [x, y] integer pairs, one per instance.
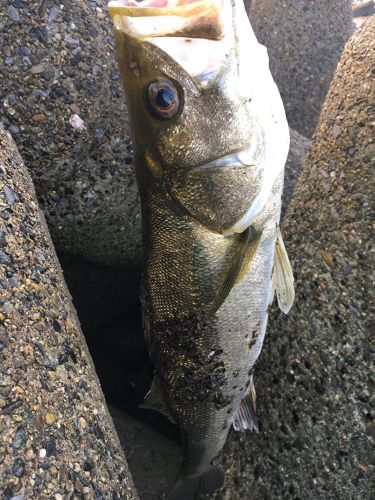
{"points": [[206, 117]]}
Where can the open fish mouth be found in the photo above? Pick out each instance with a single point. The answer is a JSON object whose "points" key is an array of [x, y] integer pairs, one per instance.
{"points": [[177, 18]]}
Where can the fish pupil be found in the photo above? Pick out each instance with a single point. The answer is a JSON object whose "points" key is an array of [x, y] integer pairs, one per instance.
{"points": [[165, 98]]}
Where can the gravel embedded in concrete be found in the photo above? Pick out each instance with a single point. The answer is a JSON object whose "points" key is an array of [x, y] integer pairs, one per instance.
{"points": [[57, 439], [304, 40], [61, 98]]}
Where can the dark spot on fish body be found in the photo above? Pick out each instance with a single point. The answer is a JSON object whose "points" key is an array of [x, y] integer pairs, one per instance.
{"points": [[252, 343]]}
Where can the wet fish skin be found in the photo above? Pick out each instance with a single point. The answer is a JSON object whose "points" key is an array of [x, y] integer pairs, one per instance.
{"points": [[204, 358]]}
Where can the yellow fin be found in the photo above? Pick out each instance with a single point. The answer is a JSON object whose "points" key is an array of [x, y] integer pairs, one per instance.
{"points": [[239, 267], [283, 276]]}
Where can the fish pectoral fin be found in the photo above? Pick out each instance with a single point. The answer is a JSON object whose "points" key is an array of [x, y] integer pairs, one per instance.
{"points": [[155, 400], [239, 266], [246, 417], [283, 280]]}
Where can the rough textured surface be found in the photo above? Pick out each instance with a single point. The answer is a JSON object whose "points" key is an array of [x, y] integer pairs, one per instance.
{"points": [[57, 60], [304, 40], [298, 147], [314, 380], [56, 436]]}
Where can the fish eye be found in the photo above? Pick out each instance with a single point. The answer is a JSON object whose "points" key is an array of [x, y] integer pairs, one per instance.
{"points": [[164, 99]]}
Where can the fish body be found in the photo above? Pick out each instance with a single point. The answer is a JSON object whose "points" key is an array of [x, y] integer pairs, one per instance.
{"points": [[211, 141]]}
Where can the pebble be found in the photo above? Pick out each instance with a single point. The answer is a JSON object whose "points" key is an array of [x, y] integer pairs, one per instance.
{"points": [[77, 123], [18, 467], [39, 117], [50, 418], [19, 439], [42, 453], [4, 258], [7, 308], [53, 14], [13, 14], [9, 195]]}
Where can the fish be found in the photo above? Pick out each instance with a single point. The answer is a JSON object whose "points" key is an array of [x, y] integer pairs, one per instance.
{"points": [[210, 144]]}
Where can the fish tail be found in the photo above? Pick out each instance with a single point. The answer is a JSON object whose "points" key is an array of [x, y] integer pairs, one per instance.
{"points": [[188, 487]]}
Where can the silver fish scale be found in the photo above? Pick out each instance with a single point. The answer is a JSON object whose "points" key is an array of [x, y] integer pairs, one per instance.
{"points": [[204, 363]]}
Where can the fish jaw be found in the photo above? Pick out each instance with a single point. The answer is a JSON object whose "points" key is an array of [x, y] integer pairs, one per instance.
{"points": [[177, 18]]}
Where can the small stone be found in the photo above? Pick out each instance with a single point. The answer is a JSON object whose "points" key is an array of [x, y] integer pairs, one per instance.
{"points": [[14, 129], [36, 316], [4, 258], [37, 69], [7, 308], [3, 241], [99, 133], [336, 131], [49, 73], [13, 14], [59, 497], [42, 453], [53, 14], [73, 42], [77, 123], [13, 281], [55, 324], [18, 467], [12, 99], [78, 486], [50, 418], [20, 438], [29, 455], [53, 470], [39, 117], [9, 195], [51, 447], [82, 423]]}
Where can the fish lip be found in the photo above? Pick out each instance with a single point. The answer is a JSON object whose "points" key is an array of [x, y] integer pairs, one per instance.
{"points": [[230, 160]]}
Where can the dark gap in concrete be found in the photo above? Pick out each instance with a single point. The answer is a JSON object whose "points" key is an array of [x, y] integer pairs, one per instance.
{"points": [[107, 302]]}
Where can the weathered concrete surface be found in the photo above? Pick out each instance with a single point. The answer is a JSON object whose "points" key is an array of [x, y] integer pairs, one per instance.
{"points": [[57, 60], [304, 40], [298, 147], [56, 436], [315, 378]]}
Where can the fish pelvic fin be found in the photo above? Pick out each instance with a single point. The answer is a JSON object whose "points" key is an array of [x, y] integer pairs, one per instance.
{"points": [[241, 264], [188, 487], [155, 400], [246, 417], [283, 280]]}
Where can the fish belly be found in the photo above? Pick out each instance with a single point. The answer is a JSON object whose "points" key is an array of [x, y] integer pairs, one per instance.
{"points": [[203, 361]]}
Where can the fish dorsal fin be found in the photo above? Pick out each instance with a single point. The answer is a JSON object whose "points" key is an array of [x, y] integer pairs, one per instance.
{"points": [[155, 400], [246, 417], [239, 266], [282, 278]]}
